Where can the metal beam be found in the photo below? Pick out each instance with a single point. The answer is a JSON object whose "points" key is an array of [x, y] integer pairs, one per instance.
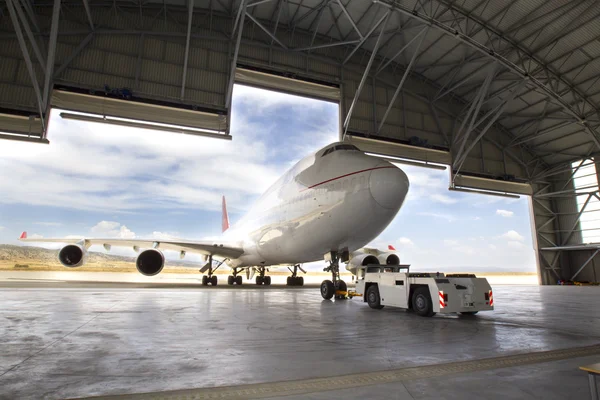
{"points": [[366, 72], [326, 45], [350, 18], [473, 112], [51, 53], [187, 48], [36, 87], [491, 53], [492, 120], [242, 11], [391, 59], [74, 54], [30, 36], [395, 96], [585, 264], [266, 31], [86, 4], [364, 39], [23, 138]]}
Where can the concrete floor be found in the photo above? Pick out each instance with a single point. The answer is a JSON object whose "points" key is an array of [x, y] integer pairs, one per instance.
{"points": [[62, 341]]}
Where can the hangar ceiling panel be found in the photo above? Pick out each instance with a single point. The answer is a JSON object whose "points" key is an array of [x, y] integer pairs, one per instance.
{"points": [[459, 76]]}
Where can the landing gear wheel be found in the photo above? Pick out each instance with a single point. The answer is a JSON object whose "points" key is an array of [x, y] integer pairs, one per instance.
{"points": [[289, 281], [469, 312], [204, 280], [230, 280], [213, 280], [327, 289], [267, 280], [259, 280], [341, 286], [421, 302], [238, 280], [300, 281], [373, 298]]}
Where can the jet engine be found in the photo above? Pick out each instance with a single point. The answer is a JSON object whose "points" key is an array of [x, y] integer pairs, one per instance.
{"points": [[360, 259], [388, 259], [150, 262], [72, 255]]}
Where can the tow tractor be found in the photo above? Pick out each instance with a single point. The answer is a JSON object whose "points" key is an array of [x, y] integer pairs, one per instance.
{"points": [[423, 292]]}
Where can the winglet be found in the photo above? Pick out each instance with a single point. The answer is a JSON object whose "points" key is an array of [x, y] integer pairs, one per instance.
{"points": [[225, 217], [23, 235], [390, 247]]}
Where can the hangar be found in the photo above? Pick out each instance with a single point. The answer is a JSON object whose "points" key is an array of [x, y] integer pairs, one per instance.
{"points": [[505, 93]]}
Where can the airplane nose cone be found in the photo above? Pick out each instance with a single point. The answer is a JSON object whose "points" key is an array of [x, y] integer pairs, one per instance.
{"points": [[388, 186]]}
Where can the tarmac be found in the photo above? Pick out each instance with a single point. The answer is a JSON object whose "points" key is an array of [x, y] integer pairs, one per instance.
{"points": [[73, 339]]}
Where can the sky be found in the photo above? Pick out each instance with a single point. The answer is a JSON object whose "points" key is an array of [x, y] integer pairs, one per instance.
{"points": [[96, 180]]}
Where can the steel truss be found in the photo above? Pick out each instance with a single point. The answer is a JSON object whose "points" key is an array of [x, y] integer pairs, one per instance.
{"points": [[356, 33], [524, 83]]}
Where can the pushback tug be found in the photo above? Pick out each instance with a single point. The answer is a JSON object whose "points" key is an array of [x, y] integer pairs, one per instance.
{"points": [[423, 292]]}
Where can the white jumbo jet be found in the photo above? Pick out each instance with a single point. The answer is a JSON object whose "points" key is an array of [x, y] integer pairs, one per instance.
{"points": [[327, 206]]}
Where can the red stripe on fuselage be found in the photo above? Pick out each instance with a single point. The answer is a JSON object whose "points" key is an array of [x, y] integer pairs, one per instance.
{"points": [[343, 176]]}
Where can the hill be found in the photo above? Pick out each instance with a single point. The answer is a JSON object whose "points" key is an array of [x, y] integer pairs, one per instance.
{"points": [[42, 259]]}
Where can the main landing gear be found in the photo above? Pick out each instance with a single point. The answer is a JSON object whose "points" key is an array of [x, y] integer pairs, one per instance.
{"points": [[330, 287], [234, 279], [210, 278], [295, 280], [261, 279]]}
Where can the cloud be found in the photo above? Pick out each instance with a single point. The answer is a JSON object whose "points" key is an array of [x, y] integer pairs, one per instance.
{"points": [[447, 217], [442, 198], [2, 228], [504, 213], [48, 223], [404, 241], [513, 236], [450, 242], [112, 229], [493, 247], [476, 218], [516, 245], [164, 235]]}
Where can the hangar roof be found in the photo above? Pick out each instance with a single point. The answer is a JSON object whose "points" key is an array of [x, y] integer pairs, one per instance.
{"points": [[530, 68]]}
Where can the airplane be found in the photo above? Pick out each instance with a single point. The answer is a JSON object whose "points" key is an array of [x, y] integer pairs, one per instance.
{"points": [[327, 206]]}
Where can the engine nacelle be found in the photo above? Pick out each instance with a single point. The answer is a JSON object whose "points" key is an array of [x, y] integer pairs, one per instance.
{"points": [[359, 260], [389, 259], [72, 255], [150, 262]]}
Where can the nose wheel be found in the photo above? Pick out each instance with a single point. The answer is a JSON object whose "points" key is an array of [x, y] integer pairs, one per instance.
{"points": [[332, 288]]}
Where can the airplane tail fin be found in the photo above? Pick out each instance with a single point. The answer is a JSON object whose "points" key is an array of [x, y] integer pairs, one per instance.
{"points": [[225, 217], [23, 235]]}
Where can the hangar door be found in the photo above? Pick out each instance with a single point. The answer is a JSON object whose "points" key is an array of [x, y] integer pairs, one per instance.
{"points": [[288, 83]]}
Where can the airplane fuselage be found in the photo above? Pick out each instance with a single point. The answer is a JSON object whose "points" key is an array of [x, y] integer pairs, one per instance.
{"points": [[329, 201]]}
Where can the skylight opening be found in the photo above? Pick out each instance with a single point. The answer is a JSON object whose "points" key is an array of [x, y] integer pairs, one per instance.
{"points": [[585, 181]]}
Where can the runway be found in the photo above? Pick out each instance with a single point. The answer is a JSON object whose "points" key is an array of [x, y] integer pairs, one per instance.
{"points": [[77, 339]]}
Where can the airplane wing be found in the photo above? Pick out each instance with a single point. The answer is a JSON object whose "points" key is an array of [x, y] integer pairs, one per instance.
{"points": [[201, 247]]}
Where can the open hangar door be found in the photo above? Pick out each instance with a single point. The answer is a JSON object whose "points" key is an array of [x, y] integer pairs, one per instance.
{"points": [[488, 88]]}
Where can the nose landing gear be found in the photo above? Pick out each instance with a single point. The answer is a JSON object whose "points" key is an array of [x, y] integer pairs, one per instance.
{"points": [[330, 288]]}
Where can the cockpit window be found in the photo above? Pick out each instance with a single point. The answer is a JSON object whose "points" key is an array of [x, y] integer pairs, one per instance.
{"points": [[347, 147]]}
